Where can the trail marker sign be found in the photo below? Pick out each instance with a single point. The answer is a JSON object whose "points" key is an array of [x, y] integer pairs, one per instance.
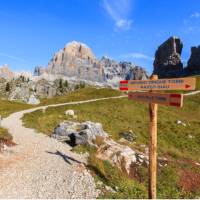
{"points": [[154, 99], [159, 84], [165, 99]]}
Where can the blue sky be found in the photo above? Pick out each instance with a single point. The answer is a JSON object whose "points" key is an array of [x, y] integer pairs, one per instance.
{"points": [[33, 30]]}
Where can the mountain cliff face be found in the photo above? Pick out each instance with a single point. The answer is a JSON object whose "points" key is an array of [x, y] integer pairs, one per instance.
{"points": [[168, 64], [6, 73], [77, 60], [74, 60], [193, 67], [167, 61]]}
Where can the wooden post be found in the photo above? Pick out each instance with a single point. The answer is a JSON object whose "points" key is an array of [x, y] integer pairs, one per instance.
{"points": [[153, 147]]}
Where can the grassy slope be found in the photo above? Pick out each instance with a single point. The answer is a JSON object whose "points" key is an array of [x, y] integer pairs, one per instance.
{"points": [[8, 107], [118, 115], [81, 94]]}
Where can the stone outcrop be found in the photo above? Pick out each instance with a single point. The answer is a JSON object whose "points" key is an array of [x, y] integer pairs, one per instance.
{"points": [[121, 156], [6, 73], [194, 61], [78, 133], [167, 61]]}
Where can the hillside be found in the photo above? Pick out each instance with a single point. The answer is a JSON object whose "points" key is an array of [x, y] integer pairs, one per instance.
{"points": [[179, 143]]}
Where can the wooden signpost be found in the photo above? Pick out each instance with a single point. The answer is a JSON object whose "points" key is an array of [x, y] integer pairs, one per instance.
{"points": [[154, 99]]}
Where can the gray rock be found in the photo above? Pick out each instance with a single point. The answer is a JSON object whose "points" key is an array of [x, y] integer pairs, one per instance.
{"points": [[79, 133]]}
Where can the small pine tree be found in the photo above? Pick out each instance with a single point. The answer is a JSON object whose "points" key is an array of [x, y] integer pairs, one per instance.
{"points": [[7, 87], [61, 88], [66, 84], [82, 84]]}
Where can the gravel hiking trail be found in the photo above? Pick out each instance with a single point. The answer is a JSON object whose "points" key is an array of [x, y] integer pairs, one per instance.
{"points": [[40, 166]]}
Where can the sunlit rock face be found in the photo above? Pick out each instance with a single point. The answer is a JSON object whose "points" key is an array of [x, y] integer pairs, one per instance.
{"points": [[6, 73], [76, 60]]}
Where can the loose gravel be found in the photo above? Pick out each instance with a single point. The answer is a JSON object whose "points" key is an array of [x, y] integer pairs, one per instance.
{"points": [[41, 167]]}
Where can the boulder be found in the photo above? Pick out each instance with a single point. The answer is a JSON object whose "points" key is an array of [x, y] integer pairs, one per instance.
{"points": [[167, 63], [125, 158], [121, 156], [79, 133]]}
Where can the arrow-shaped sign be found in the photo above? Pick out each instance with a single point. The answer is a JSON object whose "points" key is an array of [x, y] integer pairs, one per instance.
{"points": [[160, 84], [165, 99]]}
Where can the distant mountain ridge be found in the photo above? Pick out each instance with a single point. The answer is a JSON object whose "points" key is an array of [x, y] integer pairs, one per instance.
{"points": [[77, 60]]}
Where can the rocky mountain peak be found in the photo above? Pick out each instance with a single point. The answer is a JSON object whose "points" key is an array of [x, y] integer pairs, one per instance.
{"points": [[167, 61], [79, 50], [194, 61]]}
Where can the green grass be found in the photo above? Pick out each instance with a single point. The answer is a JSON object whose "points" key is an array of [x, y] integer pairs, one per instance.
{"points": [[8, 107], [197, 82], [82, 94], [113, 177], [117, 115]]}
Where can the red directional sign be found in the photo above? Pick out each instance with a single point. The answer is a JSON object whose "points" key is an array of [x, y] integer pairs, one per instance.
{"points": [[165, 99], [160, 84]]}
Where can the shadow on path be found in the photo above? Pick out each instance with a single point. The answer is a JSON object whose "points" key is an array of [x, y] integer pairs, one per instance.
{"points": [[66, 158]]}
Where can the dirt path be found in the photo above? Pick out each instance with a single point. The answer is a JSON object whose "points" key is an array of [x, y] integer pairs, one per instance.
{"points": [[40, 166], [192, 93]]}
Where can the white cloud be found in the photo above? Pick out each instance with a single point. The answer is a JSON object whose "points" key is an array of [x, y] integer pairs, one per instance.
{"points": [[119, 11], [195, 15], [124, 24], [12, 57], [137, 55], [192, 23]]}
